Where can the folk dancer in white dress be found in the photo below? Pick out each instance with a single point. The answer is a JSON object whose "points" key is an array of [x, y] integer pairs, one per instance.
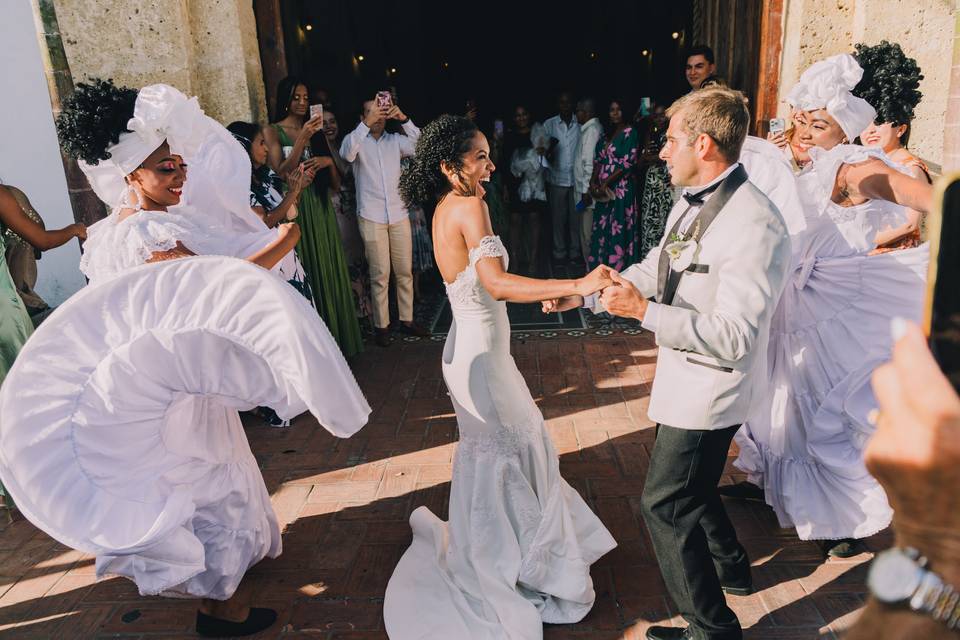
{"points": [[518, 547], [803, 442], [132, 449]]}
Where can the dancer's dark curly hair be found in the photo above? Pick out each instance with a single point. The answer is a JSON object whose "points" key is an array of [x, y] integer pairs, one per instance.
{"points": [[446, 139], [890, 81], [93, 119]]}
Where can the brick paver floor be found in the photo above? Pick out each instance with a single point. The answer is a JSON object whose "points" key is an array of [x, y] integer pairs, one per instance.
{"points": [[344, 504]]}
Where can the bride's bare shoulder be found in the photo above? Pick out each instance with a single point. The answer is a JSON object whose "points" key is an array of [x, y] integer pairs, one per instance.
{"points": [[464, 209]]}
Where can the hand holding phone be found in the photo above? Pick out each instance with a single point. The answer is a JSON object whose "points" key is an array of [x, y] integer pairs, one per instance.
{"points": [[384, 99], [316, 111], [777, 126]]}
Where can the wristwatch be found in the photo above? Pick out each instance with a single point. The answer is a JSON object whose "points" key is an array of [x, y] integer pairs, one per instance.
{"points": [[900, 577]]}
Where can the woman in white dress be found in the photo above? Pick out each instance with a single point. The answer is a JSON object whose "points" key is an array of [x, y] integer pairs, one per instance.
{"points": [[518, 547], [132, 449], [803, 443]]}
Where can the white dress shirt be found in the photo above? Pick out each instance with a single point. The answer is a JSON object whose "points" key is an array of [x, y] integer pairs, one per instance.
{"points": [[376, 170], [590, 133], [651, 318], [560, 170]]}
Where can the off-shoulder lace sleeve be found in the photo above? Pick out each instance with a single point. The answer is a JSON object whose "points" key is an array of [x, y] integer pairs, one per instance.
{"points": [[489, 247]]}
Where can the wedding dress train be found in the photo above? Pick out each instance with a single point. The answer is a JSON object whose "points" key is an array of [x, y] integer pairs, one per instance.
{"points": [[518, 547]]}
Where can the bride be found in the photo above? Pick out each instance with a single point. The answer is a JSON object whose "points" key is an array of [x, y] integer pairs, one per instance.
{"points": [[520, 541]]}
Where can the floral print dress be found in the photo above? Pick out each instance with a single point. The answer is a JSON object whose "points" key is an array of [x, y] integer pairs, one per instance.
{"points": [[614, 239]]}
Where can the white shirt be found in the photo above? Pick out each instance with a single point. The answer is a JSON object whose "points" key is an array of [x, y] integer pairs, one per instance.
{"points": [[652, 317], [560, 170], [590, 133], [376, 170]]}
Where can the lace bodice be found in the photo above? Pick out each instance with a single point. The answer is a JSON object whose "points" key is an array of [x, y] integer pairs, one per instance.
{"points": [[466, 290]]}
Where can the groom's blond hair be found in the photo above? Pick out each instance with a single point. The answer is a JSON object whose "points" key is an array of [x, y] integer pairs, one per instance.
{"points": [[719, 112]]}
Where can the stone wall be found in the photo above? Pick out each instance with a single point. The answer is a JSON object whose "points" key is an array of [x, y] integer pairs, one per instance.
{"points": [[815, 29], [206, 48]]}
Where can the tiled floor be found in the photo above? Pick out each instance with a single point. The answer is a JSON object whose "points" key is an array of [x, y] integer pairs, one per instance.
{"points": [[344, 505]]}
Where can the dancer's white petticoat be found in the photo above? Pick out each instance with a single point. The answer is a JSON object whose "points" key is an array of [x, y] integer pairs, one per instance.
{"points": [[520, 541], [804, 442], [119, 432]]}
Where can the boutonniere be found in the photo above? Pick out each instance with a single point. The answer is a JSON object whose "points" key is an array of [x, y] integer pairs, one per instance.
{"points": [[682, 248]]}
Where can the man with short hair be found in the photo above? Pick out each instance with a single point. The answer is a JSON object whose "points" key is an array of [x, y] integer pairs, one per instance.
{"points": [[564, 132], [590, 132], [700, 66], [383, 219], [716, 278]]}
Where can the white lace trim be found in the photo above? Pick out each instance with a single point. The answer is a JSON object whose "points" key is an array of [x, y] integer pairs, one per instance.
{"points": [[465, 290]]}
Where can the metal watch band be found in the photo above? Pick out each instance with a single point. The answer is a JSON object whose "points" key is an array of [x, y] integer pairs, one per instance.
{"points": [[936, 598]]}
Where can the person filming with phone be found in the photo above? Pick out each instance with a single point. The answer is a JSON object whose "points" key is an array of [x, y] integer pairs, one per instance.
{"points": [[384, 224]]}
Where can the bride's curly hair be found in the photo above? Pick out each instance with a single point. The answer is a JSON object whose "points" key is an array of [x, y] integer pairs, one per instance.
{"points": [[446, 139], [93, 118], [890, 81]]}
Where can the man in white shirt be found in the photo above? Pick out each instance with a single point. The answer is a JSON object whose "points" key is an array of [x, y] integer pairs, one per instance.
{"points": [[564, 132], [383, 218], [590, 132]]}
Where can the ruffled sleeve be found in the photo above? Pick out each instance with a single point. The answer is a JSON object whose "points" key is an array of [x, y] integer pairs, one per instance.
{"points": [[489, 247], [114, 246]]}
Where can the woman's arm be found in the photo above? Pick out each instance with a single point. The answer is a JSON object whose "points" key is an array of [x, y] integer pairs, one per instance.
{"points": [[283, 166], [17, 221], [875, 179], [274, 252], [475, 225]]}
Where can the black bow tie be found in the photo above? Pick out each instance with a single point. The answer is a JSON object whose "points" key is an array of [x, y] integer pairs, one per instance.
{"points": [[697, 199]]}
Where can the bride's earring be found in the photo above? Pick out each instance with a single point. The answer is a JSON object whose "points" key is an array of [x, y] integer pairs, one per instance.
{"points": [[130, 199]]}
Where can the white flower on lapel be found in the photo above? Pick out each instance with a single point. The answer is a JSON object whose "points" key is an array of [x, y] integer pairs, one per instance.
{"points": [[682, 253]]}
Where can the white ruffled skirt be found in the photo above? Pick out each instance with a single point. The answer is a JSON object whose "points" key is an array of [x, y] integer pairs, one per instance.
{"points": [[119, 431], [804, 440]]}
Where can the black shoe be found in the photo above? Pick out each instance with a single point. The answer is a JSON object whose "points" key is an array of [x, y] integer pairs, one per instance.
{"points": [[739, 588], [742, 491], [382, 337], [412, 329], [257, 620], [667, 633], [845, 548]]}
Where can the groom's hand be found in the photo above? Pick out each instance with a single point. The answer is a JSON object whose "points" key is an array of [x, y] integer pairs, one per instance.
{"points": [[622, 299]]}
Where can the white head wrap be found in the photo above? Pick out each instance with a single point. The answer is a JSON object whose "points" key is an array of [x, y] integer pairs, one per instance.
{"points": [[828, 85], [218, 178]]}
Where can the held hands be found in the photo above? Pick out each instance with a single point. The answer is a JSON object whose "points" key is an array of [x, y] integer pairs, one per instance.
{"points": [[559, 305], [598, 279], [78, 230], [623, 299]]}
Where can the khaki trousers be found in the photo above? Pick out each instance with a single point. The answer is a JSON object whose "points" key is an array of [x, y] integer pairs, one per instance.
{"points": [[389, 246]]}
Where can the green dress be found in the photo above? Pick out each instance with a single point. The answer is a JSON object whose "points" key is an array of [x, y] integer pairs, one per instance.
{"points": [[15, 323], [321, 253], [614, 238]]}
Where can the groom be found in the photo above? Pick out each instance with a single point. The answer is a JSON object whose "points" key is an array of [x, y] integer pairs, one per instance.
{"points": [[716, 278]]}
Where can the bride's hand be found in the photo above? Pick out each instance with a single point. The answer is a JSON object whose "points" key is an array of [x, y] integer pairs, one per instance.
{"points": [[559, 305], [594, 281]]}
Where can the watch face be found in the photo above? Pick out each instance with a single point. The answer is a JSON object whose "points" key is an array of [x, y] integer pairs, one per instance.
{"points": [[894, 577]]}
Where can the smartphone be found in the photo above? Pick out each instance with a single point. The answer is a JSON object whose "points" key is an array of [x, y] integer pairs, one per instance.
{"points": [[941, 318], [384, 99], [498, 128], [644, 106], [777, 125], [316, 110]]}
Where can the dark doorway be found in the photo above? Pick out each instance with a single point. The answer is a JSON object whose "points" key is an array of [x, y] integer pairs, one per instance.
{"points": [[436, 56]]}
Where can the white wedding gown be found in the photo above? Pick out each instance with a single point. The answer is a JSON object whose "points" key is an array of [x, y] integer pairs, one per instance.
{"points": [[119, 431], [520, 541]]}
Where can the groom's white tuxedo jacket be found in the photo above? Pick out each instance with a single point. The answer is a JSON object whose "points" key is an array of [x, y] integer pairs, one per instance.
{"points": [[713, 335]]}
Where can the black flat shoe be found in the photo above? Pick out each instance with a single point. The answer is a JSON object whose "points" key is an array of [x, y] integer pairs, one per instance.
{"points": [[845, 548], [742, 491], [257, 620], [667, 633], [382, 337]]}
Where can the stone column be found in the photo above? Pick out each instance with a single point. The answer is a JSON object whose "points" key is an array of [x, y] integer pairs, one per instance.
{"points": [[951, 128], [87, 207]]}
